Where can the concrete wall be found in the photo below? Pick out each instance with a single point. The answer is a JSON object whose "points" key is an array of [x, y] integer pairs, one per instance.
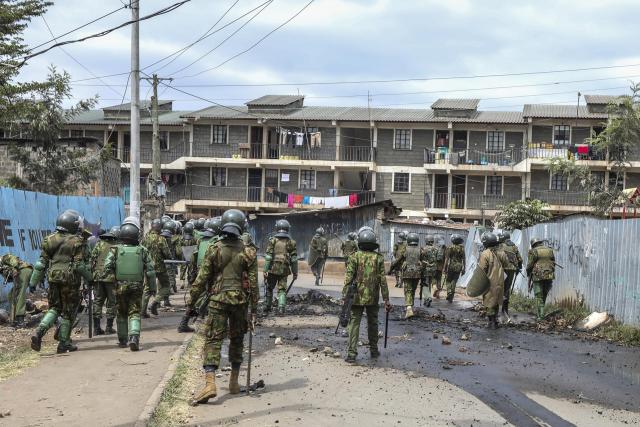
{"points": [[539, 180], [411, 201], [8, 167], [579, 135], [177, 147], [387, 156], [202, 141], [512, 188]]}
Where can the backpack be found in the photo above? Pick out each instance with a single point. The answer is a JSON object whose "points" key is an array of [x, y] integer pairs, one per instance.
{"points": [[202, 249], [456, 258], [545, 267], [412, 266], [130, 264], [62, 267], [280, 263]]}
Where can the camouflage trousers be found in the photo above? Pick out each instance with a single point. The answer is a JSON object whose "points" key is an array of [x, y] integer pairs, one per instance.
{"points": [[437, 280], [541, 290], [223, 320], [104, 296], [353, 328], [172, 272], [128, 299], [508, 281], [451, 281], [18, 294], [64, 299], [161, 288], [410, 286], [317, 267], [274, 281]]}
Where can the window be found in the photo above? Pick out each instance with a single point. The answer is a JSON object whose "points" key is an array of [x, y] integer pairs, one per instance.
{"points": [[559, 182], [76, 133], [494, 186], [495, 141], [164, 141], [312, 130], [218, 134], [218, 177], [402, 140], [401, 182], [308, 180], [616, 180], [561, 135]]}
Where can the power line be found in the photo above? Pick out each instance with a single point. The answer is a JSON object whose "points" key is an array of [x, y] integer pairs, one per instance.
{"points": [[74, 59], [226, 39], [253, 45], [55, 38], [105, 32], [179, 52]]}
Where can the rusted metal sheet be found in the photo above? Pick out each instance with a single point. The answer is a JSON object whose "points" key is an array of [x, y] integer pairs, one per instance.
{"points": [[600, 260]]}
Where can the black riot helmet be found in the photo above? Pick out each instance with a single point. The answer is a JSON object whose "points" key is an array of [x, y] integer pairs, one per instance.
{"points": [[283, 225], [156, 224], [429, 239], [320, 231], [505, 235], [457, 239], [364, 227], [68, 221], [352, 236], [170, 226], [214, 225], [402, 236], [489, 239], [535, 241], [199, 224], [115, 231], [233, 222], [413, 239], [188, 228], [129, 233], [367, 240]]}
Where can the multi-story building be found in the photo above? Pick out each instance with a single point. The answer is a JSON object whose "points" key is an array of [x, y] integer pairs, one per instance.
{"points": [[449, 161]]}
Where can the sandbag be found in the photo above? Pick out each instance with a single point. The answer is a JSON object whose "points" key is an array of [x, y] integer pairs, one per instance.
{"points": [[479, 283]]}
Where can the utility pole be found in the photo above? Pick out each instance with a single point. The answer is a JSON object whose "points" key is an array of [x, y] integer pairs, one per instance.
{"points": [[134, 183], [155, 141]]}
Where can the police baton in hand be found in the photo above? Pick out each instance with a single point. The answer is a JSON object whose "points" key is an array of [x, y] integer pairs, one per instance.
{"points": [[386, 326], [251, 328]]}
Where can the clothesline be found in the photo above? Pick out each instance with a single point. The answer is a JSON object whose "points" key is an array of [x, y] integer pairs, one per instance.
{"points": [[299, 139], [337, 202]]}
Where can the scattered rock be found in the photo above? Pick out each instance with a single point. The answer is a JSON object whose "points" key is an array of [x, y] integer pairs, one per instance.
{"points": [[41, 305], [5, 414], [327, 350], [226, 369], [380, 334], [435, 336], [464, 337], [446, 340], [218, 375], [4, 316], [446, 367], [463, 349], [593, 321], [510, 346], [336, 354], [313, 349], [272, 335], [279, 341]]}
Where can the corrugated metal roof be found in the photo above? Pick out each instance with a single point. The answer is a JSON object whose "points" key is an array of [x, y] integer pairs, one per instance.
{"points": [[456, 104], [143, 105], [96, 117], [274, 100], [601, 99], [560, 112], [356, 114]]}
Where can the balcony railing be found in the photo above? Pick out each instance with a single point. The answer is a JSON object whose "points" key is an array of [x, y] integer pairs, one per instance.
{"points": [[353, 153], [363, 197], [486, 201], [562, 198], [448, 201]]}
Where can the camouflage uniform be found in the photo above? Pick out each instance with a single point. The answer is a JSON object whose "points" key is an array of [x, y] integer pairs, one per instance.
{"points": [[348, 248], [19, 271], [398, 252], [409, 263], [512, 268], [184, 242], [318, 250], [64, 256], [455, 265], [129, 292], [229, 272], [437, 277], [172, 269], [280, 260], [492, 260], [541, 267], [430, 258], [159, 251], [367, 267], [103, 281]]}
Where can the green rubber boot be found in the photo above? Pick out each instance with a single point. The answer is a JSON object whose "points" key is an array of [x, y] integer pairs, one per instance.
{"points": [[282, 302], [123, 331], [46, 323], [134, 334], [65, 345]]}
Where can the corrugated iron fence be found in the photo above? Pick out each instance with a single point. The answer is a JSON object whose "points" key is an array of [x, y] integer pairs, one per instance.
{"points": [[600, 259]]}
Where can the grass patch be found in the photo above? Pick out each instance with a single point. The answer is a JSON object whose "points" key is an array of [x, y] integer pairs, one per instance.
{"points": [[625, 334], [570, 314], [174, 408], [522, 303], [14, 361]]}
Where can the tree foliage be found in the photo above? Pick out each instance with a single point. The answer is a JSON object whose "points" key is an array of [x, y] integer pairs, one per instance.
{"points": [[521, 214], [621, 140]]}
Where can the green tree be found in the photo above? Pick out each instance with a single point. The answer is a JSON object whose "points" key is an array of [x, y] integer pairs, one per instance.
{"points": [[521, 214], [621, 140]]}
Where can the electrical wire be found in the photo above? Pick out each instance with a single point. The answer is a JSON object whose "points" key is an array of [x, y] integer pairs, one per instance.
{"points": [[225, 40], [105, 32]]}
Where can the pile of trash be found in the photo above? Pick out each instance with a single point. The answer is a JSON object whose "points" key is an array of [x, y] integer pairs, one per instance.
{"points": [[313, 303]]}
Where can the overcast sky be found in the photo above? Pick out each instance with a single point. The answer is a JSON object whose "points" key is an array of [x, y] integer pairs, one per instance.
{"points": [[352, 40]]}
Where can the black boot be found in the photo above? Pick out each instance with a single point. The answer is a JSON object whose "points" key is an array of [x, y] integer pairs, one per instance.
{"points": [[268, 301], [109, 329], [122, 342], [134, 342], [36, 340], [166, 302], [19, 322], [154, 308], [317, 280], [491, 322], [97, 330], [66, 347], [184, 327]]}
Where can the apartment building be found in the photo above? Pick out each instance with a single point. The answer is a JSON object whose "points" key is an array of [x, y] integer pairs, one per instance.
{"points": [[452, 160]]}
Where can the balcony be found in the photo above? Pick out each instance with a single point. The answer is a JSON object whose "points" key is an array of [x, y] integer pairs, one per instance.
{"points": [[577, 152], [448, 201], [561, 198], [353, 153], [487, 201], [508, 158]]}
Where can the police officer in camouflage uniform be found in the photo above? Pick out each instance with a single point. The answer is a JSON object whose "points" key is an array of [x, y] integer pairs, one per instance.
{"points": [[366, 266], [18, 271], [129, 263], [454, 264], [63, 261], [349, 247], [199, 227], [104, 282], [187, 239], [398, 251], [318, 251], [229, 273], [511, 269], [159, 251], [430, 258], [169, 229], [280, 260], [492, 261], [437, 278], [411, 268], [541, 269]]}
